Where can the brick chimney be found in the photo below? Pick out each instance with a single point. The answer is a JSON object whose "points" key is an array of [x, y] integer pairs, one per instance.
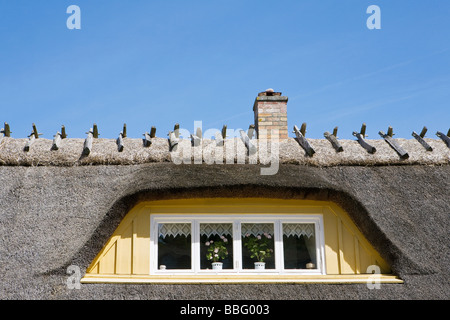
{"points": [[270, 110]]}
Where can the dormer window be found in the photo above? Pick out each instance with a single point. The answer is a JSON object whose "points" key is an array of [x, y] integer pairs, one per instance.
{"points": [[244, 244], [237, 241]]}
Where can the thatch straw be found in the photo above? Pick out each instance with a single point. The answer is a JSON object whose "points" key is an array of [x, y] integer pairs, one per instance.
{"points": [[105, 152]]}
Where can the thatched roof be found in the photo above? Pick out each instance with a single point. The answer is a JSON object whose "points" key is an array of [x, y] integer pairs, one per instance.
{"points": [[59, 207], [105, 152], [55, 216]]}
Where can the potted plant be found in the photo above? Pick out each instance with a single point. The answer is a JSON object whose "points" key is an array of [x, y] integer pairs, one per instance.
{"points": [[217, 251], [259, 248]]}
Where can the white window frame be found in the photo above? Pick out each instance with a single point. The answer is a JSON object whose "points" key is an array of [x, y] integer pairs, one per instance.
{"points": [[237, 220]]}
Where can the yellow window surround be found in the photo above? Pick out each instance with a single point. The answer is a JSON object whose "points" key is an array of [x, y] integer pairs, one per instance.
{"points": [[347, 254]]}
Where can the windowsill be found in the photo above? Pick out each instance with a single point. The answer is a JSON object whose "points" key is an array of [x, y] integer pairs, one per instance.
{"points": [[215, 279], [231, 273]]}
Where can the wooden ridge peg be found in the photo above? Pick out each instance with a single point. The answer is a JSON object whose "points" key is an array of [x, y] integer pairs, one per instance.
{"points": [[332, 137], [31, 138], [445, 138], [361, 136], [388, 138], [300, 134], [250, 131], [149, 136], [5, 132], [153, 132], [224, 132], [122, 135], [91, 135], [246, 138], [174, 138], [95, 133], [419, 137], [221, 136], [57, 138], [197, 137], [176, 130]]}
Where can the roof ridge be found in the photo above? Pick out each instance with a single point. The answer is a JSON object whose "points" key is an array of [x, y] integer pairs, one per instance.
{"points": [[106, 151]]}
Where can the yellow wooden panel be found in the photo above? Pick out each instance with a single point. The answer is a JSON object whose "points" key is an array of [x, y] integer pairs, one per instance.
{"points": [[94, 269], [128, 250], [141, 243], [384, 268], [331, 242], [124, 251], [357, 256], [375, 257], [108, 261], [348, 265], [365, 259]]}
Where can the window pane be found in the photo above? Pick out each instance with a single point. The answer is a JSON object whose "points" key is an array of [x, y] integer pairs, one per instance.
{"points": [[174, 245], [257, 245], [299, 244], [216, 245]]}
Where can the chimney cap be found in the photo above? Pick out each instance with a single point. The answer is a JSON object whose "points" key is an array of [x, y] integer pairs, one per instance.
{"points": [[269, 92]]}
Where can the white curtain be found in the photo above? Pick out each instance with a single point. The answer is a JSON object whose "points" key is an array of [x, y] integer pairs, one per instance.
{"points": [[298, 229], [307, 230], [174, 229], [311, 247], [220, 229], [256, 229]]}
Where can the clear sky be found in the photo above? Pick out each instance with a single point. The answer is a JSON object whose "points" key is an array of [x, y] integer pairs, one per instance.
{"points": [[157, 63]]}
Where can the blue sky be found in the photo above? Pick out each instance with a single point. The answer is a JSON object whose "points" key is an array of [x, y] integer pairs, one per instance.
{"points": [[157, 63]]}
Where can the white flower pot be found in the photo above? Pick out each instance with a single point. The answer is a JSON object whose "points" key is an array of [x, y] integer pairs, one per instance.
{"points": [[260, 265], [217, 265]]}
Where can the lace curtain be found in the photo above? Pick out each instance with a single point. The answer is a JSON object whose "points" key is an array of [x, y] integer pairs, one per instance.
{"points": [[225, 229], [298, 229], [256, 229], [220, 229], [174, 229], [306, 230], [208, 229]]}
